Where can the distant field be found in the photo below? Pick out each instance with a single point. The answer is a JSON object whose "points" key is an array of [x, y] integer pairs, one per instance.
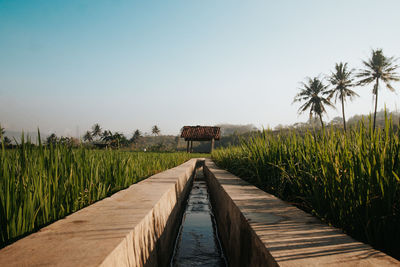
{"points": [[39, 185], [350, 180]]}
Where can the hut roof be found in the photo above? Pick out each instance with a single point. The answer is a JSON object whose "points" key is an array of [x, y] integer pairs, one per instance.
{"points": [[200, 133]]}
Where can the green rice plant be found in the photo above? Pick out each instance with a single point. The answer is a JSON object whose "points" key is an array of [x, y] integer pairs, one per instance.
{"points": [[40, 184], [350, 180]]}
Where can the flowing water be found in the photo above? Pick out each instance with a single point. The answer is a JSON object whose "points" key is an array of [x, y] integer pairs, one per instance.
{"points": [[197, 243]]}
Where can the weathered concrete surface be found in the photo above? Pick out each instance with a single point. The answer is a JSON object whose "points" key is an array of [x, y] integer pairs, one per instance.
{"points": [[134, 227], [258, 229]]}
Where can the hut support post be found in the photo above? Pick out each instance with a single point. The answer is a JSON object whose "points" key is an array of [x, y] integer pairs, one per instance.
{"points": [[191, 146], [187, 146], [212, 145]]}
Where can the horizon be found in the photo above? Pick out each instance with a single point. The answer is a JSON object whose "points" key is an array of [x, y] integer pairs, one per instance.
{"points": [[65, 66], [241, 128]]}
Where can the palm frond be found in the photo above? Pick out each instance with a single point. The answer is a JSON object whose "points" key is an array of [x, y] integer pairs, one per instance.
{"points": [[312, 93]]}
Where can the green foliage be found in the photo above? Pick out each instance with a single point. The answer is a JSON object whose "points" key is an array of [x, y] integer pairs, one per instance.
{"points": [[313, 93], [52, 139], [348, 179], [378, 68], [136, 136], [155, 130], [96, 130], [88, 137], [114, 140], [342, 80], [40, 184]]}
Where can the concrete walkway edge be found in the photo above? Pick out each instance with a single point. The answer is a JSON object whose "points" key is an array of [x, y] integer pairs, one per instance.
{"points": [[258, 229], [134, 227]]}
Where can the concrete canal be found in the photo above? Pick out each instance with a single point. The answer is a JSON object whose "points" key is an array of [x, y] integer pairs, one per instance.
{"points": [[141, 226], [197, 243]]}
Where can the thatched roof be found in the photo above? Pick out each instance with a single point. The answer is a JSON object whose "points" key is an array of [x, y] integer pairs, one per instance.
{"points": [[200, 133]]}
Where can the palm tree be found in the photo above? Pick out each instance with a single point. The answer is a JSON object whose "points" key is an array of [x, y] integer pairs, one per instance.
{"points": [[52, 139], [378, 68], [119, 139], [312, 93], [114, 139], [88, 137], [106, 134], [155, 130], [342, 80], [135, 137], [96, 130], [107, 137], [2, 131]]}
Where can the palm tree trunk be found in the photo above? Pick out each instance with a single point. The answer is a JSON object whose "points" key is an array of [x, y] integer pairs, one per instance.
{"points": [[320, 118], [344, 119], [376, 101]]}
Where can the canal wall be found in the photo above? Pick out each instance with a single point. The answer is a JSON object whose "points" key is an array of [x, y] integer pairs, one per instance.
{"points": [[134, 227], [258, 229], [138, 226]]}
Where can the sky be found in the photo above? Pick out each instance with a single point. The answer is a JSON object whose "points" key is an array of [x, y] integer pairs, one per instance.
{"points": [[65, 65]]}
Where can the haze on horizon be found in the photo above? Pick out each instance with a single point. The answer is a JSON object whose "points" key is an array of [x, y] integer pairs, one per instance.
{"points": [[65, 65]]}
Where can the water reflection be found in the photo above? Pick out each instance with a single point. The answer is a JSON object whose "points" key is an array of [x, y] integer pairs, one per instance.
{"points": [[197, 243]]}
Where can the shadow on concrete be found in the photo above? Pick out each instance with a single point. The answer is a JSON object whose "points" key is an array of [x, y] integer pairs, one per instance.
{"points": [[291, 234]]}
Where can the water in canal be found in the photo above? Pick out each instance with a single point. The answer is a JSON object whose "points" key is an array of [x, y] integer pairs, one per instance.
{"points": [[197, 243]]}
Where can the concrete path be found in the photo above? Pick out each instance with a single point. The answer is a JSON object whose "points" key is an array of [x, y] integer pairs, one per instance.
{"points": [[258, 229], [134, 227]]}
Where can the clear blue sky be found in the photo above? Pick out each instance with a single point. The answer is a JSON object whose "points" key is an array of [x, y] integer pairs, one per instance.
{"points": [[66, 65]]}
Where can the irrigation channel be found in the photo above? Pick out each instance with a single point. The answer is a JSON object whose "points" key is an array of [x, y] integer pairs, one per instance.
{"points": [[197, 243]]}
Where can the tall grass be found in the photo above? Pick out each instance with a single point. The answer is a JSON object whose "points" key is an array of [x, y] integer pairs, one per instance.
{"points": [[349, 180], [40, 184]]}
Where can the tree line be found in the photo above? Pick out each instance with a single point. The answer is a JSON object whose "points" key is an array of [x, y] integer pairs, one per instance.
{"points": [[316, 95], [101, 137], [95, 137], [4, 140]]}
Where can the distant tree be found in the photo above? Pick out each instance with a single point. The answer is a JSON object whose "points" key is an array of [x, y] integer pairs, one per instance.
{"points": [[342, 81], [312, 93], [114, 139], [2, 131], [96, 130], [52, 139], [106, 135], [117, 140], [6, 141], [65, 140], [378, 68], [300, 125], [88, 137], [155, 130], [336, 121], [279, 127], [229, 129], [136, 136], [120, 139]]}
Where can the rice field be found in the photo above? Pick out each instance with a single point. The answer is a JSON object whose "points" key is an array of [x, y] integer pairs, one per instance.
{"points": [[41, 184], [348, 180]]}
